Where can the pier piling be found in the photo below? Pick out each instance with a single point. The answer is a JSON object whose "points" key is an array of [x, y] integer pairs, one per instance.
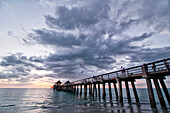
{"points": [[116, 93], [165, 90], [89, 89], [128, 92], [95, 89], [77, 89], [104, 91], [85, 89], [99, 90], [110, 91], [160, 96], [81, 89], [120, 91], [150, 92], [135, 92]]}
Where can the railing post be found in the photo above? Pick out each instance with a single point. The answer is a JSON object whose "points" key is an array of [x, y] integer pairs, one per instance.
{"points": [[116, 74], [127, 72], [145, 71], [166, 65]]}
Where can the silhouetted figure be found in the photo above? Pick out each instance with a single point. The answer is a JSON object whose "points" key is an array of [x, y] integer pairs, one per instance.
{"points": [[123, 71]]}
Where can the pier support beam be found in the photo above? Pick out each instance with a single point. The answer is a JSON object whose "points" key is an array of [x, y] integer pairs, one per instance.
{"points": [[77, 89], [71, 88], [85, 89], [95, 89], [74, 88], [104, 91], [120, 92], [89, 89], [99, 90], [160, 96], [110, 91], [135, 92], [116, 93], [127, 91], [165, 90], [81, 89], [150, 92]]}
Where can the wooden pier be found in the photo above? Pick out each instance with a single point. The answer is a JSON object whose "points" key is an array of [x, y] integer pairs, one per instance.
{"points": [[153, 72]]}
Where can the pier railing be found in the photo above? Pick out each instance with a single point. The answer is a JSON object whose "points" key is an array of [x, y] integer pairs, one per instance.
{"points": [[161, 67]]}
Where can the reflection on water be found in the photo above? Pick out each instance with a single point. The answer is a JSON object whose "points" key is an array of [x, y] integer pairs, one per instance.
{"points": [[48, 101]]}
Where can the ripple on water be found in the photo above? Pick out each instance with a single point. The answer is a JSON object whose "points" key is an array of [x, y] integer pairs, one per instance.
{"points": [[10, 105]]}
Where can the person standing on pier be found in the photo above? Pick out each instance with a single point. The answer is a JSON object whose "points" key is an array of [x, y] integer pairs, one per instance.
{"points": [[123, 71]]}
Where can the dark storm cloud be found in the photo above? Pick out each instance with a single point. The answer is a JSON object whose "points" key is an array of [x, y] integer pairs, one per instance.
{"points": [[47, 37], [18, 67], [156, 13], [147, 55], [89, 36], [78, 17], [15, 60], [12, 60], [67, 66], [88, 45]]}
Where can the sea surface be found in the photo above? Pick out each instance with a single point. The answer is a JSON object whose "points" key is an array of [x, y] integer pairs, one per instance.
{"points": [[49, 101]]}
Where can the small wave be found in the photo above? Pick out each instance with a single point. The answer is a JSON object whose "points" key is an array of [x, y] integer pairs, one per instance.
{"points": [[7, 105], [45, 107]]}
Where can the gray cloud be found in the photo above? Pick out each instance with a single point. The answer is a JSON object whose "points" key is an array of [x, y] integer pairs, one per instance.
{"points": [[78, 17], [156, 14], [54, 38], [18, 67], [93, 35]]}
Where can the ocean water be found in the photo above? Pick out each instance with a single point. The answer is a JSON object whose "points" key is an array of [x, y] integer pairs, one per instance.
{"points": [[49, 101]]}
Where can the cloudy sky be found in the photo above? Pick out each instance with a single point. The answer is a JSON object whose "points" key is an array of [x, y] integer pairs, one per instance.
{"points": [[42, 41]]}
